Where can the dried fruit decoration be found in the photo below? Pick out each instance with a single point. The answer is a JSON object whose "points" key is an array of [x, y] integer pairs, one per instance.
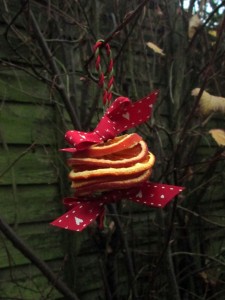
{"points": [[107, 167]]}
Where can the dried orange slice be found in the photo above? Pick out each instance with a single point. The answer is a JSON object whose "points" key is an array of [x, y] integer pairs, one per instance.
{"points": [[111, 146], [119, 163], [122, 182], [135, 168], [119, 159], [106, 179]]}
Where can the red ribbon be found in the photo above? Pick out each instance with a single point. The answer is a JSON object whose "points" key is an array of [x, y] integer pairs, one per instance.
{"points": [[120, 116], [82, 213]]}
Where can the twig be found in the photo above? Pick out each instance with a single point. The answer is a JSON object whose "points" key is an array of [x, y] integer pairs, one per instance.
{"points": [[195, 214], [129, 261], [67, 18], [40, 264], [167, 242], [174, 289], [186, 124], [50, 58], [205, 23], [208, 257], [127, 20], [17, 159]]}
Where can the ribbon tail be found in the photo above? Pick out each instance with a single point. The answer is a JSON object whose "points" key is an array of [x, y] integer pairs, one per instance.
{"points": [[156, 194], [80, 216]]}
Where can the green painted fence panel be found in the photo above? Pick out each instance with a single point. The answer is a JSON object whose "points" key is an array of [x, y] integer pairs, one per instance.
{"points": [[30, 204]]}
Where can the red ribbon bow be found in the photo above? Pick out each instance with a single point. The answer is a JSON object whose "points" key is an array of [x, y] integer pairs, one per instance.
{"points": [[120, 116], [82, 213]]}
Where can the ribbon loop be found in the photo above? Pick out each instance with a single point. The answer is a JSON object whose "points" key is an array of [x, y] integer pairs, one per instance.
{"points": [[81, 140], [106, 129], [120, 116]]}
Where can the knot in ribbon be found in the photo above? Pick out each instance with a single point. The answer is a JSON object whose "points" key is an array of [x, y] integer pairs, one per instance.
{"points": [[120, 116], [82, 212]]}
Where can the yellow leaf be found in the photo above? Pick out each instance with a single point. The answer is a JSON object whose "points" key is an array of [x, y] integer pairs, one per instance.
{"points": [[212, 33], [194, 23], [219, 136], [155, 48], [209, 103]]}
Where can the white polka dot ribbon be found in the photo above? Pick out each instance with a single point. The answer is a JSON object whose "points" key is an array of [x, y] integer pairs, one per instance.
{"points": [[120, 116], [83, 212]]}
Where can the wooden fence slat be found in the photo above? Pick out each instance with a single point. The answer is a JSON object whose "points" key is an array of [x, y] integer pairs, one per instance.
{"points": [[28, 283], [35, 203], [16, 85], [40, 237], [27, 123], [35, 167]]}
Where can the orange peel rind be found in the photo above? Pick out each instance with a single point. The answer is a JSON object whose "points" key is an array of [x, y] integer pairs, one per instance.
{"points": [[118, 159], [111, 146], [119, 163], [108, 184], [136, 168]]}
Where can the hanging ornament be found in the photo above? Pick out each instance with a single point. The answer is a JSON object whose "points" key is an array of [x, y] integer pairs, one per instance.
{"points": [[107, 167]]}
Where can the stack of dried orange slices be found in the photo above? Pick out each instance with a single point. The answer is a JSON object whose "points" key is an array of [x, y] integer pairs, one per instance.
{"points": [[119, 163]]}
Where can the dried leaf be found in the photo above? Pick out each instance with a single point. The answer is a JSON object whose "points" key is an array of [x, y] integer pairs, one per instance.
{"points": [[194, 23], [219, 136], [112, 226], [155, 48], [209, 103], [204, 276], [212, 33], [158, 11]]}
